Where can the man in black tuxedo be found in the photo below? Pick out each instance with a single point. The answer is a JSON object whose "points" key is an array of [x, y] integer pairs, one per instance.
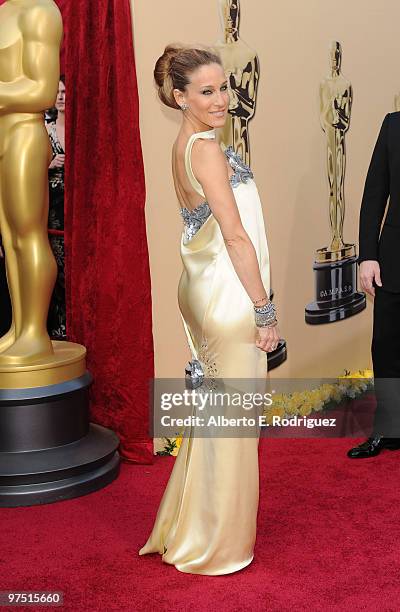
{"points": [[379, 262]]}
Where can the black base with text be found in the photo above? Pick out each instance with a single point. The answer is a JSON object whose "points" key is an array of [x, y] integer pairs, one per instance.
{"points": [[336, 292]]}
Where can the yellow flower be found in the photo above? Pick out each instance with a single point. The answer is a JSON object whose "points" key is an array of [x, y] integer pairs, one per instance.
{"points": [[178, 442], [303, 403], [274, 411], [326, 391], [305, 410], [292, 410], [337, 394]]}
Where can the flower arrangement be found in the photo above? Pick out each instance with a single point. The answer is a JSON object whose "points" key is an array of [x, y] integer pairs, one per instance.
{"points": [[171, 447], [349, 385]]}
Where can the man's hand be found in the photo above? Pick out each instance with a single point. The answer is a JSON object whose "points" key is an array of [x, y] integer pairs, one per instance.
{"points": [[370, 272]]}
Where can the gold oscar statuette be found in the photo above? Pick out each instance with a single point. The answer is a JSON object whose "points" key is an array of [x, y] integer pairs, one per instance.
{"points": [[241, 66], [336, 97], [397, 102], [49, 451], [335, 266], [30, 38]]}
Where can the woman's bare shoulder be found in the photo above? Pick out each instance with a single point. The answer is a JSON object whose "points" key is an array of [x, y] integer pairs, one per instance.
{"points": [[206, 146], [207, 156]]}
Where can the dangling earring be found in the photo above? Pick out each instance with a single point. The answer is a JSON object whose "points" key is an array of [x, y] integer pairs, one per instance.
{"points": [[184, 106]]}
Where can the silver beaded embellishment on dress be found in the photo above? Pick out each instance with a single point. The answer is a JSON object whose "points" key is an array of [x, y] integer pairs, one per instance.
{"points": [[209, 363], [242, 171], [202, 372], [208, 359], [194, 219]]}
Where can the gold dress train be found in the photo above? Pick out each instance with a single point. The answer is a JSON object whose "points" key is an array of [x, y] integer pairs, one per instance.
{"points": [[206, 521]]}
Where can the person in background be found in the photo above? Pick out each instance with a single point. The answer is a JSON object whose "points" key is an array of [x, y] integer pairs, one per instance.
{"points": [[380, 278], [5, 302], [56, 322]]}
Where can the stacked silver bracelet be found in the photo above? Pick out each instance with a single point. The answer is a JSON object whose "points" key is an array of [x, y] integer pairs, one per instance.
{"points": [[265, 316]]}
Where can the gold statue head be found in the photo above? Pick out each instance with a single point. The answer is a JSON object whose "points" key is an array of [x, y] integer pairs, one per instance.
{"points": [[230, 17], [336, 57]]}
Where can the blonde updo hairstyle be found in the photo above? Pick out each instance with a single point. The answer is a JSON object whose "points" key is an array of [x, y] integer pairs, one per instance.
{"points": [[173, 68]]}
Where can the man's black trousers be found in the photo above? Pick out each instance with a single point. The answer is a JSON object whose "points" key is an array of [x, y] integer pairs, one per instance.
{"points": [[386, 362]]}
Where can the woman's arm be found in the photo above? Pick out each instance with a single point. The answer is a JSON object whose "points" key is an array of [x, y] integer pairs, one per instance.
{"points": [[210, 169]]}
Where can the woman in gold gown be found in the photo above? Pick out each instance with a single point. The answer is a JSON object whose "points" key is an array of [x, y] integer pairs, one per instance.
{"points": [[206, 521]]}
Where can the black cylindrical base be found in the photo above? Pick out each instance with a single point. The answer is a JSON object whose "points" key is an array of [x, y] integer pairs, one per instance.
{"points": [[336, 292], [278, 356], [48, 450]]}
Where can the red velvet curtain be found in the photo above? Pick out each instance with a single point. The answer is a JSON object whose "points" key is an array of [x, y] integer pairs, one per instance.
{"points": [[108, 288]]}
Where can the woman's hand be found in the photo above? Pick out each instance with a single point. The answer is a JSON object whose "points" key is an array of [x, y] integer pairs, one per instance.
{"points": [[268, 338], [58, 161]]}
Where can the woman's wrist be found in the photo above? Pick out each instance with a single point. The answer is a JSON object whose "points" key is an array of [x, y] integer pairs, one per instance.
{"points": [[261, 301], [265, 315]]}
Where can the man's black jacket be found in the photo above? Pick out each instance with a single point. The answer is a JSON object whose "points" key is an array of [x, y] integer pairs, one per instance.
{"points": [[383, 181]]}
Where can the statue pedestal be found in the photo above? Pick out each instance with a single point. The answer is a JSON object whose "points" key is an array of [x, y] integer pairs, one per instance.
{"points": [[48, 449], [278, 356], [335, 292]]}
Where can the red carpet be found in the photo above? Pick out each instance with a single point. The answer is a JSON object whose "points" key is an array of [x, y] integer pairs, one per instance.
{"points": [[328, 539]]}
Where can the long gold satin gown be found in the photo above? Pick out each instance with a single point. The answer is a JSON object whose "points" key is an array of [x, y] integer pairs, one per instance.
{"points": [[206, 521]]}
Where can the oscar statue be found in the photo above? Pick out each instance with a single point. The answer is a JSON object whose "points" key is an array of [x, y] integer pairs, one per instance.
{"points": [[242, 67], [46, 442], [397, 102], [335, 266]]}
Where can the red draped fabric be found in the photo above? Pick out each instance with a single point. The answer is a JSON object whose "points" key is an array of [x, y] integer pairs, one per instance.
{"points": [[108, 288]]}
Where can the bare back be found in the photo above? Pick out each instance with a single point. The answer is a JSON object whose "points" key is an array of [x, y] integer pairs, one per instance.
{"points": [[187, 196]]}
